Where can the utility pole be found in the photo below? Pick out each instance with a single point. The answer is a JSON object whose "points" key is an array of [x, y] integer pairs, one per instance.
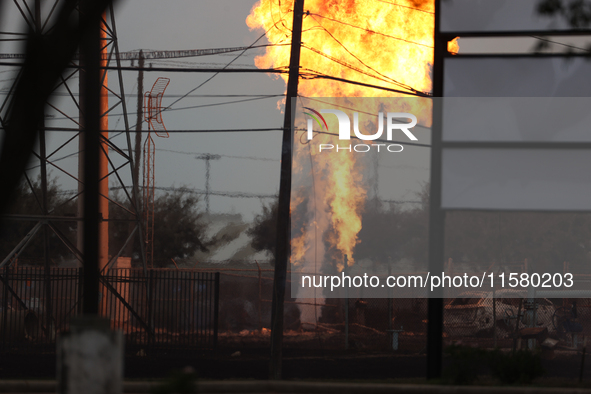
{"points": [[207, 157], [283, 247], [138, 143], [436, 214]]}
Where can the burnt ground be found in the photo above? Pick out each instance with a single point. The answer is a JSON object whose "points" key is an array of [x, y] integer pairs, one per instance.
{"points": [[306, 356]]}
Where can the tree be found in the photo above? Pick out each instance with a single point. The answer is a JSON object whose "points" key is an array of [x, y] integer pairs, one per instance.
{"points": [[389, 232], [27, 201], [577, 13], [179, 230], [264, 229]]}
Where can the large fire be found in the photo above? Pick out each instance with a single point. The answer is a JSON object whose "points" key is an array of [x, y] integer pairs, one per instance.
{"points": [[387, 43]]}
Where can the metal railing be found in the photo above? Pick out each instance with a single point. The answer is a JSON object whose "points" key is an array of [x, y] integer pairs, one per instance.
{"points": [[180, 313]]}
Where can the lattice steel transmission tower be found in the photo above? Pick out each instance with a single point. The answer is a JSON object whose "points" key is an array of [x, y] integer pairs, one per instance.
{"points": [[63, 121], [152, 115]]}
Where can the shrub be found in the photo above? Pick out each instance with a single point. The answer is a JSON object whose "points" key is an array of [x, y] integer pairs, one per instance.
{"points": [[522, 366], [466, 363]]}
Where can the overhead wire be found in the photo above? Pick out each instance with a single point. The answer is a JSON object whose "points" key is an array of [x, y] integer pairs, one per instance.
{"points": [[251, 98], [561, 43], [213, 76], [180, 152], [347, 65], [281, 17], [406, 6], [317, 75], [251, 46], [221, 155], [191, 190], [227, 102], [349, 108], [374, 32], [361, 61]]}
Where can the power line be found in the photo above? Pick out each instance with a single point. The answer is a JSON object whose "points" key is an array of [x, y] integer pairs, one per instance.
{"points": [[178, 63], [342, 63], [225, 103], [175, 69], [259, 129], [256, 98], [351, 109], [361, 61], [405, 6], [377, 140], [213, 76], [561, 43], [323, 76], [402, 201], [228, 156], [159, 54], [66, 94], [374, 32], [192, 190], [225, 67]]}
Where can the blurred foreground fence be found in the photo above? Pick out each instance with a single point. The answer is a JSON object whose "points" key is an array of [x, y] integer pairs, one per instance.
{"points": [[179, 313], [481, 318]]}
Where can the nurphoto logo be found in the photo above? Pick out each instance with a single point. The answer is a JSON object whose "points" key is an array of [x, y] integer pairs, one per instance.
{"points": [[345, 130]]}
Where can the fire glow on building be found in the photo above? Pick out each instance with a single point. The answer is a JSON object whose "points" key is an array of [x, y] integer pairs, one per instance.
{"points": [[377, 42]]}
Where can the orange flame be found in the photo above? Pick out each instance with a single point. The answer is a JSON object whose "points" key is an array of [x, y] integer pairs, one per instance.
{"points": [[386, 43], [381, 42], [453, 46]]}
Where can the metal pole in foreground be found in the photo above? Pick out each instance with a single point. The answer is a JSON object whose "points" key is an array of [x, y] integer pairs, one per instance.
{"points": [[283, 219], [436, 214], [92, 88], [90, 355]]}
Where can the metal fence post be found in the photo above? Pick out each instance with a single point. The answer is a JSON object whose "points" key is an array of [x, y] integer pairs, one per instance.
{"points": [[390, 301], [5, 311], [346, 309], [260, 297], [149, 293], [216, 308], [80, 289], [494, 305]]}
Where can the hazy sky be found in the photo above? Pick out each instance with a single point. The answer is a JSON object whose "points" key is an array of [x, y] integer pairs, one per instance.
{"points": [[190, 24]]}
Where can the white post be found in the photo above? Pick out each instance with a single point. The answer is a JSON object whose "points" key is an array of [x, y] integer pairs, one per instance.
{"points": [[90, 358]]}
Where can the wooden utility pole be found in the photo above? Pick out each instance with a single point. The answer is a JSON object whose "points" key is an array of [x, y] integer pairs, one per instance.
{"points": [[137, 150], [436, 214], [283, 247]]}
